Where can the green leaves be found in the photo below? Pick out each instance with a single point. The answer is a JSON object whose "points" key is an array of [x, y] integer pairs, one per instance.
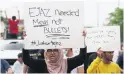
{"points": [[116, 18], [4, 20]]}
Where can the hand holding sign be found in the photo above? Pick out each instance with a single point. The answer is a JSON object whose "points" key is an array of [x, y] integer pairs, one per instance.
{"points": [[84, 34], [99, 53]]}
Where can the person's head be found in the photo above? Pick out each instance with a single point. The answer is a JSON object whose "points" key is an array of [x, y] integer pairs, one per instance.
{"points": [[55, 61], [13, 17], [20, 57], [107, 56], [53, 55]]}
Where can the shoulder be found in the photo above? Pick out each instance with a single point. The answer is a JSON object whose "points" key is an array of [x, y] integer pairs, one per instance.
{"points": [[16, 62], [3, 61], [17, 20], [115, 65]]}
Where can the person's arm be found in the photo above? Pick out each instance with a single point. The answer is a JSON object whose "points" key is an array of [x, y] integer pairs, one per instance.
{"points": [[93, 66], [10, 71], [8, 20], [7, 67], [25, 69], [5, 14], [34, 64], [77, 60], [18, 21], [19, 14], [80, 69]]}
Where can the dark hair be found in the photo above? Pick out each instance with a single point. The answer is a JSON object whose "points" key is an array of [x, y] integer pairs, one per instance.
{"points": [[13, 17], [92, 56], [20, 55], [70, 49]]}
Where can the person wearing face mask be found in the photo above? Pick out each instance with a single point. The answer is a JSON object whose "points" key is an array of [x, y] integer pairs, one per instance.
{"points": [[103, 63]]}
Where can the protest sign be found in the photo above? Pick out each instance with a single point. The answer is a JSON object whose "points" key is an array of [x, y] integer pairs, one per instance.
{"points": [[107, 37], [54, 25]]}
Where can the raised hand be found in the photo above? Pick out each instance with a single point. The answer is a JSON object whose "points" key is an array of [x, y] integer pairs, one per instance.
{"points": [[100, 53]]}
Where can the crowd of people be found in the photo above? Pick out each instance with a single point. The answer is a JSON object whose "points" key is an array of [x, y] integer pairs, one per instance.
{"points": [[17, 67], [53, 61]]}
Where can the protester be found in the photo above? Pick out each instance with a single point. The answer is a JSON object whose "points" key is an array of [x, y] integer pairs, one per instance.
{"points": [[13, 26], [18, 65], [103, 63], [54, 61], [5, 67], [25, 69]]}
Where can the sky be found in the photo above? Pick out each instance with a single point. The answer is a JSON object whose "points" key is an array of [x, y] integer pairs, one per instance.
{"points": [[95, 11]]}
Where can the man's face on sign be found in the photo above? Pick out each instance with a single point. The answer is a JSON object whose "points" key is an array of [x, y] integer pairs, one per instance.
{"points": [[52, 54]]}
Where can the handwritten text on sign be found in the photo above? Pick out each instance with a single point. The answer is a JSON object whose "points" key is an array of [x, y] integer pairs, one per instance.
{"points": [[107, 37], [54, 24]]}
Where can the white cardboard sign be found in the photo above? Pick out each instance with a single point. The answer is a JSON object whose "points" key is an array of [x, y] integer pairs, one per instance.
{"points": [[107, 37], [54, 25]]}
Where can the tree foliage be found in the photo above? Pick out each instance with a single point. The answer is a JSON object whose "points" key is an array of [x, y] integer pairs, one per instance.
{"points": [[116, 18]]}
